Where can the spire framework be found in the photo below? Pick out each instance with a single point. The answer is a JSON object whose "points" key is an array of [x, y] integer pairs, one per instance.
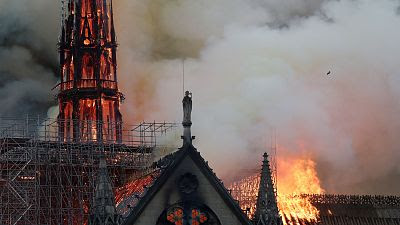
{"points": [[89, 98]]}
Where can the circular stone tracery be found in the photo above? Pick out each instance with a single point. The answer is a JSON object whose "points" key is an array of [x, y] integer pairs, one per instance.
{"points": [[187, 183], [188, 213]]}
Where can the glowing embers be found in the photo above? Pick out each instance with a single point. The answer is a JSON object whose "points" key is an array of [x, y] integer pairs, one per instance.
{"points": [[107, 70], [86, 7], [246, 191], [88, 74], [88, 119], [128, 196], [87, 33], [87, 28], [87, 67], [71, 7], [96, 22], [111, 120], [67, 81], [104, 20], [65, 120]]}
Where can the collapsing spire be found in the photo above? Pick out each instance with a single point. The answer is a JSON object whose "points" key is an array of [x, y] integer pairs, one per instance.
{"points": [[103, 208], [267, 212]]}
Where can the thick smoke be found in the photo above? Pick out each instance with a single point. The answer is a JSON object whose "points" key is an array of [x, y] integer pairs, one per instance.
{"points": [[28, 56], [253, 66]]}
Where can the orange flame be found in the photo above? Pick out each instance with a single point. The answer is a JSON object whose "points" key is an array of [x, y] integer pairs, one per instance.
{"points": [[296, 177]]}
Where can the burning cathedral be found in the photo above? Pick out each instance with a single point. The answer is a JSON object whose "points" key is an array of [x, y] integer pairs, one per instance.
{"points": [[87, 167]]}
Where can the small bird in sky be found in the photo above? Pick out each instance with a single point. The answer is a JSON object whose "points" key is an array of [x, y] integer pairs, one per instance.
{"points": [[328, 73]]}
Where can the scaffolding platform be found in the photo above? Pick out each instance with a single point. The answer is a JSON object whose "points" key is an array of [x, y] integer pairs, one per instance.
{"points": [[47, 180]]}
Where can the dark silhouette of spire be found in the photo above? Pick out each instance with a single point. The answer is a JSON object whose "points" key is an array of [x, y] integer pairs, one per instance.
{"points": [[267, 212], [103, 209]]}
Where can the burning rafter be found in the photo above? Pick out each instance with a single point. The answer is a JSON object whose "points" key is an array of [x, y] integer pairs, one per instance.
{"points": [[88, 90], [291, 203]]}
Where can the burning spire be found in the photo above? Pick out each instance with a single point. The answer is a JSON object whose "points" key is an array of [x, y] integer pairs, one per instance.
{"points": [[103, 210], [267, 212], [89, 98]]}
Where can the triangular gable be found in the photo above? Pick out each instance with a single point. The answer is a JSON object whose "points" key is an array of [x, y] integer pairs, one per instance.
{"points": [[175, 161]]}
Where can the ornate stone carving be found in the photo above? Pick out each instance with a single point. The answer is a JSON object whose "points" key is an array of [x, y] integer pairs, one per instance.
{"points": [[187, 183]]}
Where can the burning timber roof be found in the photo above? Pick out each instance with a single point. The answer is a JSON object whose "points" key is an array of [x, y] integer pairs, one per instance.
{"points": [[354, 209], [130, 194], [141, 191], [334, 209]]}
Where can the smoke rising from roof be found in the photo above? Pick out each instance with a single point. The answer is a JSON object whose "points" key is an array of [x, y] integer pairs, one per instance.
{"points": [[253, 66]]}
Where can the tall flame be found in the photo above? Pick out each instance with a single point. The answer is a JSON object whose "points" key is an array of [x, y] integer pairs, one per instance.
{"points": [[296, 177]]}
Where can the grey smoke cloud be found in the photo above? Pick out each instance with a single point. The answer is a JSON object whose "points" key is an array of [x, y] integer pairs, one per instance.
{"points": [[28, 56], [253, 66]]}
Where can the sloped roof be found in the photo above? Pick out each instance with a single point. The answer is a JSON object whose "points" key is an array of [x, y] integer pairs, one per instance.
{"points": [[103, 208], [354, 209], [129, 195], [167, 166]]}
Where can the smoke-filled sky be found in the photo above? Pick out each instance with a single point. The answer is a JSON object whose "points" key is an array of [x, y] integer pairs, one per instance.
{"points": [[253, 66]]}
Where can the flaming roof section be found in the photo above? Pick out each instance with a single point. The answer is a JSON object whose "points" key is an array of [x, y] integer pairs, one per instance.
{"points": [[331, 209], [129, 195], [353, 209]]}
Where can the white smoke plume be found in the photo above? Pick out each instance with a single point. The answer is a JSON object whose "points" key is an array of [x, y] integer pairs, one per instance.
{"points": [[253, 66]]}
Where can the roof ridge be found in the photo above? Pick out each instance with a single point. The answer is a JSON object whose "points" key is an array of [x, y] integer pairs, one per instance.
{"points": [[222, 189], [206, 170]]}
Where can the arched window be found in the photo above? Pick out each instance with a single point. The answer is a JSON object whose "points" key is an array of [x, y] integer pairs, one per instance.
{"points": [[87, 67], [106, 71], [188, 213], [175, 215]]}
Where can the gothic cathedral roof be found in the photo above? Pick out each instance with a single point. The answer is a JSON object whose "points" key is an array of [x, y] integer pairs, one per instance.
{"points": [[185, 177]]}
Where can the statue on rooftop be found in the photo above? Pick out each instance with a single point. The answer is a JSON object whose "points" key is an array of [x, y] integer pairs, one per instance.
{"points": [[187, 109]]}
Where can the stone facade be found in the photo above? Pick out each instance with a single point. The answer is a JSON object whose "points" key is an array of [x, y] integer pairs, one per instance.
{"points": [[187, 184]]}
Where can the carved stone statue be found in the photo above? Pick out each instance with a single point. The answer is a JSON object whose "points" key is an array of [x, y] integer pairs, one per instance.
{"points": [[187, 109]]}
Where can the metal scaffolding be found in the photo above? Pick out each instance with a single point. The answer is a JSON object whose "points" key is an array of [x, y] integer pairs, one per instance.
{"points": [[48, 180]]}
